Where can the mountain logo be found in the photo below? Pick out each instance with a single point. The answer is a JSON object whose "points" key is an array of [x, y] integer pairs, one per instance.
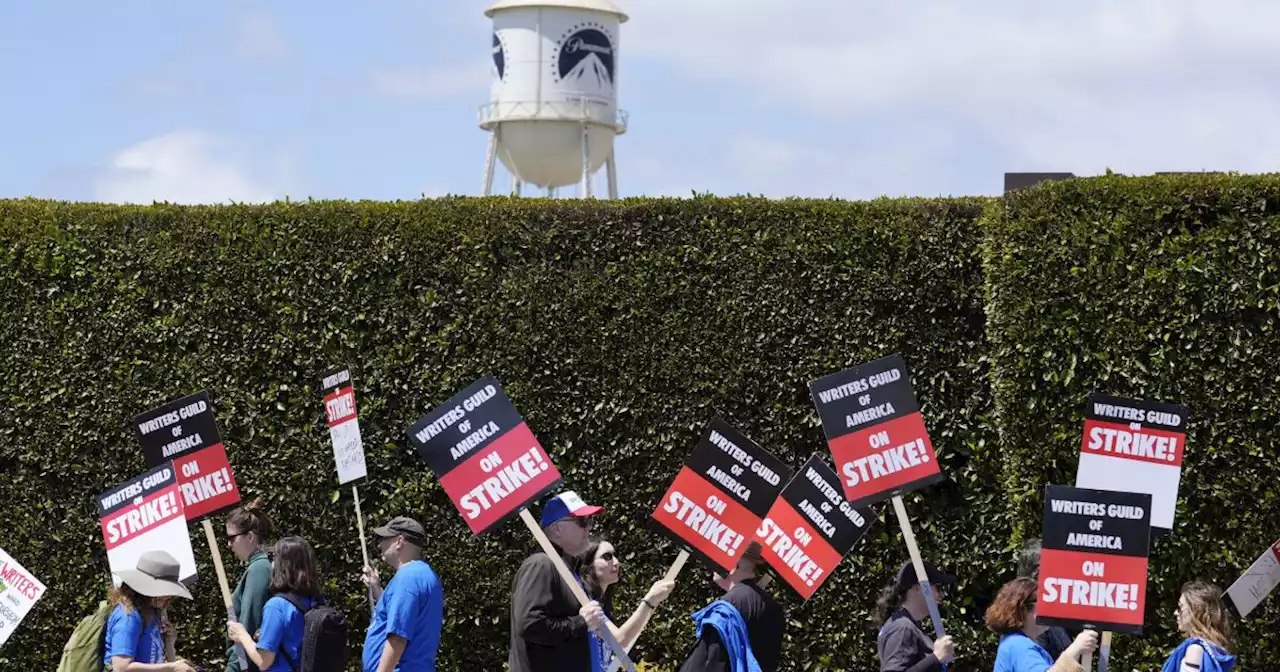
{"points": [[584, 55], [499, 56]]}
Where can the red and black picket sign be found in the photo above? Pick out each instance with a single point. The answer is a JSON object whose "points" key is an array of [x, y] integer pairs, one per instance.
{"points": [[720, 495], [875, 431], [485, 456], [1135, 445], [810, 528], [185, 431], [1093, 561], [145, 513]]}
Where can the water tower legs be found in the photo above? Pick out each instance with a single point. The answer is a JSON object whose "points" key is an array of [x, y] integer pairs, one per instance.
{"points": [[611, 169], [586, 160], [489, 161]]}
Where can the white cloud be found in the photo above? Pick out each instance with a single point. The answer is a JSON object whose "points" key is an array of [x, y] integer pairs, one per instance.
{"points": [[437, 83], [1138, 86], [181, 167]]}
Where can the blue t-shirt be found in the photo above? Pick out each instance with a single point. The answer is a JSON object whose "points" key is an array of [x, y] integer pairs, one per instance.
{"points": [[1020, 653], [412, 607], [282, 627], [128, 636]]}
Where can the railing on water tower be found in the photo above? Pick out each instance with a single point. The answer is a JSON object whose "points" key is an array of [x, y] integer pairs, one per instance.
{"points": [[588, 110]]}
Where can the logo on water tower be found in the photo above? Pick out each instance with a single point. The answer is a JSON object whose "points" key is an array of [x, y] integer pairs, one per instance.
{"points": [[584, 55], [499, 56]]}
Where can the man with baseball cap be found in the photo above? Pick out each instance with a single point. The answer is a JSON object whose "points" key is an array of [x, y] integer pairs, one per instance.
{"points": [[405, 633], [548, 627], [746, 623], [902, 644]]}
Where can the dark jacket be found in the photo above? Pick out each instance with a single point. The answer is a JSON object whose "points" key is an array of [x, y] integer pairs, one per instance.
{"points": [[903, 646], [251, 594], [547, 634], [765, 620], [1055, 640]]}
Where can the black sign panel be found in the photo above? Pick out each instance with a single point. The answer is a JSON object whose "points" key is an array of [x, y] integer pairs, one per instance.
{"points": [[179, 427], [1097, 521], [862, 397], [815, 494], [143, 485], [464, 425], [740, 467], [1150, 414]]}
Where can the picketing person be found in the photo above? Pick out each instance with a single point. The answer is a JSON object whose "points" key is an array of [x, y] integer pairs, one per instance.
{"points": [[404, 635], [742, 629], [600, 571], [139, 636], [549, 630], [1203, 617], [248, 530], [901, 643], [1012, 615], [295, 587], [1054, 639]]}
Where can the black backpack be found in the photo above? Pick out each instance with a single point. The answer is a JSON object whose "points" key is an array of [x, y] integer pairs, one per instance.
{"points": [[324, 637]]}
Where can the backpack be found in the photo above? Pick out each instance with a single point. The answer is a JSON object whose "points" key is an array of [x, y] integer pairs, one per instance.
{"points": [[83, 652], [324, 637]]}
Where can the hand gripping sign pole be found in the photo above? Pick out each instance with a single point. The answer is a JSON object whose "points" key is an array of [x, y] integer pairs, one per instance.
{"points": [[492, 467], [881, 447], [185, 434], [348, 448]]}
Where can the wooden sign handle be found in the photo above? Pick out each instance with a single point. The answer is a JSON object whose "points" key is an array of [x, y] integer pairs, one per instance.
{"points": [[364, 542], [1104, 652], [567, 576], [676, 566], [921, 574], [222, 583]]}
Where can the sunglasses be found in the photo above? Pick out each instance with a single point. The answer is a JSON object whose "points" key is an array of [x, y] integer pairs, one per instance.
{"points": [[232, 537], [608, 557], [584, 523]]}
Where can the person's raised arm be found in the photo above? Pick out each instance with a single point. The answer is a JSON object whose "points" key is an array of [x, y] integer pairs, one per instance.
{"points": [[535, 587], [629, 632], [1069, 661]]}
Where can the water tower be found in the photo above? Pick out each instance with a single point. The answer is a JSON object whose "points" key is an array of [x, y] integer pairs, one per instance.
{"points": [[553, 110]]}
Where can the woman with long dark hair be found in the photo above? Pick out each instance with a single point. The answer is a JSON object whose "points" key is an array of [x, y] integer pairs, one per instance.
{"points": [[600, 571], [900, 642], [295, 573], [1012, 615], [138, 635], [248, 531], [1203, 617]]}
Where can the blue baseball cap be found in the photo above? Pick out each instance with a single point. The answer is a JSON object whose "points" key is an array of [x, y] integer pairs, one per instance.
{"points": [[564, 505]]}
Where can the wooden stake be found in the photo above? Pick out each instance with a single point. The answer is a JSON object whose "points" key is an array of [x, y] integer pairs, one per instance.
{"points": [[765, 581], [364, 542], [921, 575], [1104, 652], [676, 566], [222, 583], [578, 592]]}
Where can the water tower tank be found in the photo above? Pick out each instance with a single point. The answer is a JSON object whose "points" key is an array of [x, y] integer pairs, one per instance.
{"points": [[553, 110]]}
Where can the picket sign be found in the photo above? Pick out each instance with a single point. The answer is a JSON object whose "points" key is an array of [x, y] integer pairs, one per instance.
{"points": [[492, 467], [184, 433], [881, 447], [348, 448]]}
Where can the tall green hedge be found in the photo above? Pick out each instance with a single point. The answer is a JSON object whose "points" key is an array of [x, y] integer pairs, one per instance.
{"points": [[618, 329], [1163, 288]]}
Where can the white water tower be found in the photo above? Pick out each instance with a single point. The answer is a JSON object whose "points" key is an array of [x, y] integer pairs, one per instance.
{"points": [[553, 110]]}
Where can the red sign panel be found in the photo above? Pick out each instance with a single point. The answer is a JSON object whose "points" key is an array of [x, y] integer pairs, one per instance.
{"points": [[206, 483], [700, 515], [875, 431], [486, 457]]}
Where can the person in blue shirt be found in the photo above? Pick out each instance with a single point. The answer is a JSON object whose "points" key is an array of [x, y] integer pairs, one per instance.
{"points": [[1012, 615], [294, 570], [1203, 617], [139, 636], [405, 633]]}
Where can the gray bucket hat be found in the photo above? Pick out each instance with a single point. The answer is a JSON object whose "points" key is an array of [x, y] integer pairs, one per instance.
{"points": [[156, 576]]}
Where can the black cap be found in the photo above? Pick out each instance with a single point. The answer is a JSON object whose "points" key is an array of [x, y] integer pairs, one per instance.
{"points": [[907, 576], [401, 526]]}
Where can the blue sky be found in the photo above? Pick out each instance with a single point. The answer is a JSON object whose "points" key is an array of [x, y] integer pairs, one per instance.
{"points": [[248, 101]]}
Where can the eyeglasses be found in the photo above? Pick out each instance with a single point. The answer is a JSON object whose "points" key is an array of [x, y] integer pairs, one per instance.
{"points": [[607, 557], [584, 523], [232, 537]]}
